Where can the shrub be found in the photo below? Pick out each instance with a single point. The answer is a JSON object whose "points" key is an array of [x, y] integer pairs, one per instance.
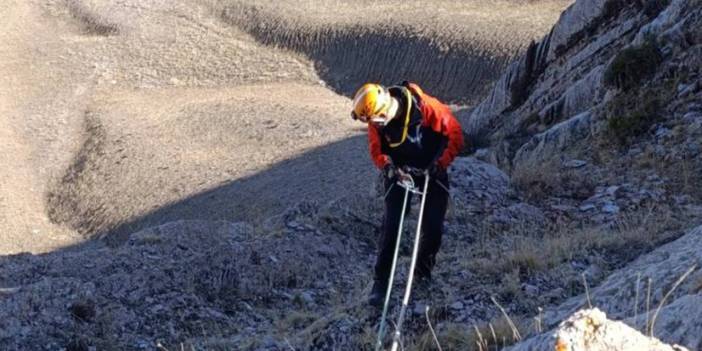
{"points": [[612, 8], [632, 65], [627, 121], [652, 8]]}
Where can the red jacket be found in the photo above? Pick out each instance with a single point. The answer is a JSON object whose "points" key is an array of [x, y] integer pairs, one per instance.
{"points": [[435, 115]]}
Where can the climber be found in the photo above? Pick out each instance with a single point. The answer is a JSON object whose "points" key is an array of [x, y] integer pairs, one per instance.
{"points": [[408, 128]]}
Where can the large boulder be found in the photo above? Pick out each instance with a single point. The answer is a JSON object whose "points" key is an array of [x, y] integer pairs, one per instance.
{"points": [[545, 145], [478, 183], [590, 330]]}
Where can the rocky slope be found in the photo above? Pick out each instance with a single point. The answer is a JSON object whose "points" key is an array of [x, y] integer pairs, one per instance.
{"points": [[203, 156], [598, 120]]}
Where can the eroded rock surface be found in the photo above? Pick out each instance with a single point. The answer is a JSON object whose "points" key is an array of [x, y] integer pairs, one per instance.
{"points": [[590, 330]]}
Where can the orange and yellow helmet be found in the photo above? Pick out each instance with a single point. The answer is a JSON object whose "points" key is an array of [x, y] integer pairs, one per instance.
{"points": [[371, 101]]}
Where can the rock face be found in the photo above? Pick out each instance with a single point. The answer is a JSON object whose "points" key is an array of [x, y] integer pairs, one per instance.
{"points": [[548, 144], [553, 95], [539, 55], [590, 330]]}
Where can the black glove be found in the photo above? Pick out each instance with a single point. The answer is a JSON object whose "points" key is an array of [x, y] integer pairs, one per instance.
{"points": [[390, 171], [436, 170]]}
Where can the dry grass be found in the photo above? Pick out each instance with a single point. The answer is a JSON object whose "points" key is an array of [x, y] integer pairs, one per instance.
{"points": [[536, 182], [493, 335], [696, 286], [527, 250], [297, 320], [538, 179]]}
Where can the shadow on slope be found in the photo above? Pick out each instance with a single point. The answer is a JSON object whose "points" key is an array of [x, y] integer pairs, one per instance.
{"points": [[317, 174], [347, 55]]}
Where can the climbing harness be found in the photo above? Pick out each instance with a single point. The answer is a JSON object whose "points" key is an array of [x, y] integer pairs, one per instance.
{"points": [[406, 181]]}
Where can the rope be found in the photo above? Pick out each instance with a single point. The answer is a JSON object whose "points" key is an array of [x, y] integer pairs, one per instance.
{"points": [[413, 264], [408, 184], [387, 192], [381, 330]]}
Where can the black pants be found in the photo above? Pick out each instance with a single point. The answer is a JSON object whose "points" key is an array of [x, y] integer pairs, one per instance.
{"points": [[432, 226]]}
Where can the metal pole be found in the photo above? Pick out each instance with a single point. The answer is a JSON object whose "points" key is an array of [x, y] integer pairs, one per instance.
{"points": [[381, 330], [415, 250]]}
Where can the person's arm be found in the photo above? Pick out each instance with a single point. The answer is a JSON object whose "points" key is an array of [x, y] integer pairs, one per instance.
{"points": [[440, 118], [374, 145]]}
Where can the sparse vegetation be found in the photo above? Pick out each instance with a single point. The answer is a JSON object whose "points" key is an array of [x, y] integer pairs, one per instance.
{"points": [[625, 124], [538, 179], [493, 335], [631, 115], [652, 8], [632, 65], [532, 250]]}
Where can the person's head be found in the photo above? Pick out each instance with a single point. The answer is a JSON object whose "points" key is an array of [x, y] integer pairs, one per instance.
{"points": [[373, 103]]}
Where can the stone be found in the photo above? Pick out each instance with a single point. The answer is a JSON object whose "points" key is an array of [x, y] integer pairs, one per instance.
{"points": [[563, 208], [419, 309], [662, 132], [587, 207], [591, 330], [478, 183], [575, 164], [269, 341], [617, 296], [554, 140], [610, 208], [307, 297], [458, 305], [530, 290], [613, 191], [693, 149]]}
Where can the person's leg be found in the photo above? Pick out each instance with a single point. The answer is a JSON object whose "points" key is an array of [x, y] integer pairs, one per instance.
{"points": [[391, 223], [432, 225]]}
